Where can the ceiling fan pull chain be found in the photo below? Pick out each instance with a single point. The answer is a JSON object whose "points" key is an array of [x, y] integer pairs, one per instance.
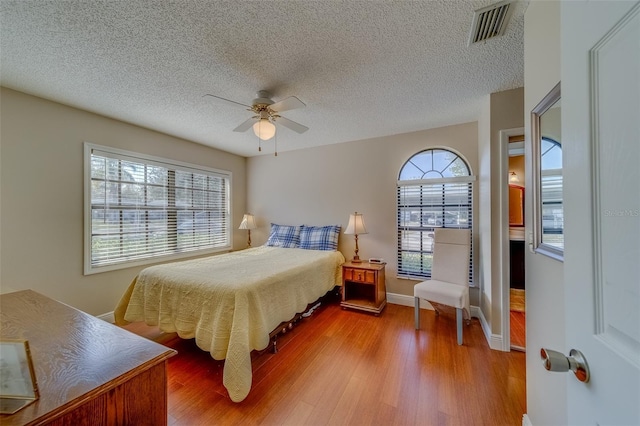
{"points": [[276, 144]]}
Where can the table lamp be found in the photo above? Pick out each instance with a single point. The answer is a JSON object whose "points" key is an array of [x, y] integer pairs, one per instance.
{"points": [[248, 223], [356, 227]]}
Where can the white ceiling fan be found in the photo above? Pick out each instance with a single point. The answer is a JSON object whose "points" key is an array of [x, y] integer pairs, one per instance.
{"points": [[267, 113]]}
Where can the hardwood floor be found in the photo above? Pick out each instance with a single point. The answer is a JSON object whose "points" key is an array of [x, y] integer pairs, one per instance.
{"points": [[518, 319], [352, 368], [517, 300], [518, 330]]}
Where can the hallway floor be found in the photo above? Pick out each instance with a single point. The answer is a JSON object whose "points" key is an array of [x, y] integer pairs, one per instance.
{"points": [[518, 319]]}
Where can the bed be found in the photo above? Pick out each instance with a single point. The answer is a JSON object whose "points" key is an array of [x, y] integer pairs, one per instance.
{"points": [[230, 303]]}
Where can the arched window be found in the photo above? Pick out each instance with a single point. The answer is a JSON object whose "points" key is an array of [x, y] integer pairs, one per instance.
{"points": [[434, 191]]}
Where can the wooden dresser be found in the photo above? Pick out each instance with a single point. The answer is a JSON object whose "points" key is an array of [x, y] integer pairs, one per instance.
{"points": [[89, 372]]}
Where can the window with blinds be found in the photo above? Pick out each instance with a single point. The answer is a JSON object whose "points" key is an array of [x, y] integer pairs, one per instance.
{"points": [[434, 190], [140, 208]]}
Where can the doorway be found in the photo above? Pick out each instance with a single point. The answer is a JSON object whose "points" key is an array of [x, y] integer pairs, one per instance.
{"points": [[517, 288], [512, 239]]}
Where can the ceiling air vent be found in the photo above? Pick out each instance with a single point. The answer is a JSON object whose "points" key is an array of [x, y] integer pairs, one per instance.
{"points": [[490, 21]]}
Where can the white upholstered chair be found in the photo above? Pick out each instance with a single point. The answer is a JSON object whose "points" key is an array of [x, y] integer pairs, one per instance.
{"points": [[449, 283]]}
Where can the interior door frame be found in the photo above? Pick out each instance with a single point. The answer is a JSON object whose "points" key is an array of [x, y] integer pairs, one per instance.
{"points": [[505, 267]]}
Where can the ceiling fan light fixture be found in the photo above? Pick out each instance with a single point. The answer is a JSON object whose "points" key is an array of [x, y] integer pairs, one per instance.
{"points": [[264, 129]]}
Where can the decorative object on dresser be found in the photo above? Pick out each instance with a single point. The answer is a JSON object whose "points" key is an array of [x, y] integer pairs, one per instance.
{"points": [[248, 223], [356, 227], [18, 385], [449, 283], [88, 371], [363, 286]]}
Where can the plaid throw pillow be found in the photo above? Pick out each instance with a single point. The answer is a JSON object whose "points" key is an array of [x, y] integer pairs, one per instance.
{"points": [[319, 237], [284, 236]]}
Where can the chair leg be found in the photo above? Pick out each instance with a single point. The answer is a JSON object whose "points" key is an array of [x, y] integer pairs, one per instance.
{"points": [[459, 315], [417, 312]]}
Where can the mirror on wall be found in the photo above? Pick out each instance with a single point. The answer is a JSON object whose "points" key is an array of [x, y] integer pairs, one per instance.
{"points": [[516, 206], [548, 224]]}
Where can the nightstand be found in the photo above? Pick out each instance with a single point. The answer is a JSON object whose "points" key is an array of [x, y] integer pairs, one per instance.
{"points": [[363, 286]]}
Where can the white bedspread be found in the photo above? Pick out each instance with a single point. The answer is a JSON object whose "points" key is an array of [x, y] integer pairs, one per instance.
{"points": [[230, 303]]}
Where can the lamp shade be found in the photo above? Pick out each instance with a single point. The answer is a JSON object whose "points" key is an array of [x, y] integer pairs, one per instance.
{"points": [[248, 222], [513, 177], [356, 225], [264, 129]]}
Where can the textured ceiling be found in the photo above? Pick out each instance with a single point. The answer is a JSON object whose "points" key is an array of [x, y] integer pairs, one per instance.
{"points": [[363, 68]]}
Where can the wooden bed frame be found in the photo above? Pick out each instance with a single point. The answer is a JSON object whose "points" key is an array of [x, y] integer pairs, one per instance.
{"points": [[332, 295]]}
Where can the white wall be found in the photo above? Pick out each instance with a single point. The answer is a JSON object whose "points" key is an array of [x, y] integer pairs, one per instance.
{"points": [[484, 205], [546, 393], [41, 218], [502, 111], [323, 185], [314, 186]]}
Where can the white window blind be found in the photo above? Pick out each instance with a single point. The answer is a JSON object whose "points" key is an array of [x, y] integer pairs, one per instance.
{"points": [[435, 191], [141, 208]]}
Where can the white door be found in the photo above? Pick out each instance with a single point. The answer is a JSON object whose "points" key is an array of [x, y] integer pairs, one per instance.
{"points": [[601, 150]]}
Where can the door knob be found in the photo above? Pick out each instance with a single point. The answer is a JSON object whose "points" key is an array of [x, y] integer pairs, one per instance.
{"points": [[556, 361]]}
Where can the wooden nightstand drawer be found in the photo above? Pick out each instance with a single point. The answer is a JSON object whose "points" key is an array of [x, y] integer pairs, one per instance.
{"points": [[360, 275]]}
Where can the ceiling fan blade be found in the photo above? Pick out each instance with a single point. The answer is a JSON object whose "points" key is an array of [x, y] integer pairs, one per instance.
{"points": [[227, 100], [286, 104], [296, 127], [246, 125]]}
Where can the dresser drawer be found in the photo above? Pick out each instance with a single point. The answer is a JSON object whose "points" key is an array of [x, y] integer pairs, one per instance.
{"points": [[360, 275]]}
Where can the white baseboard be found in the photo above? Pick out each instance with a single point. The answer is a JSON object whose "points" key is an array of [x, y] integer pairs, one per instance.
{"points": [[404, 300], [108, 317], [397, 299], [494, 340], [526, 421]]}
